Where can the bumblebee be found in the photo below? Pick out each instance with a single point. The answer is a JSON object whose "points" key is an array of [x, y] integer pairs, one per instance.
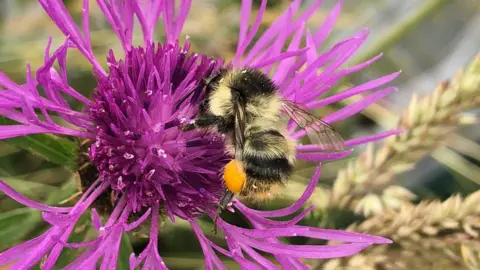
{"points": [[245, 105]]}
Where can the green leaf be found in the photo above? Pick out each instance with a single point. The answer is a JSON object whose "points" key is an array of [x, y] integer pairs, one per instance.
{"points": [[30, 189], [6, 149], [15, 225], [68, 188], [194, 261], [9, 164], [53, 148], [124, 254], [19, 223]]}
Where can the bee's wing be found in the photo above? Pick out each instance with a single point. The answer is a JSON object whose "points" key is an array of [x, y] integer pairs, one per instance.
{"points": [[319, 132], [239, 130]]}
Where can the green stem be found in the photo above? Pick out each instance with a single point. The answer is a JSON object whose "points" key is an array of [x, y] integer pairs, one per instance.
{"points": [[401, 29]]}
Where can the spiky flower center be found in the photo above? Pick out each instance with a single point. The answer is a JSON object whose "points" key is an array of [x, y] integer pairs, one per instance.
{"points": [[139, 147]]}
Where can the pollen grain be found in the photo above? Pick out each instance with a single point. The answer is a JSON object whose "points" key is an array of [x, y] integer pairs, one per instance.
{"points": [[234, 176]]}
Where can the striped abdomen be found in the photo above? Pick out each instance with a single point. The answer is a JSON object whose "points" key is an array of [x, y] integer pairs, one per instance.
{"points": [[268, 158]]}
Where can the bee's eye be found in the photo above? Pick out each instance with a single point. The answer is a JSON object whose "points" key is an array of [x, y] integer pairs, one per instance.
{"points": [[234, 176]]}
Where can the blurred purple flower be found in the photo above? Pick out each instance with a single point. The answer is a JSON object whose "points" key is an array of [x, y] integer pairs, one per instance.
{"points": [[151, 165]]}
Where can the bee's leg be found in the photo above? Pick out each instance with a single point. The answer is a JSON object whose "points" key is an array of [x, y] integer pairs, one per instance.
{"points": [[222, 204], [188, 127], [205, 121], [202, 107], [225, 126]]}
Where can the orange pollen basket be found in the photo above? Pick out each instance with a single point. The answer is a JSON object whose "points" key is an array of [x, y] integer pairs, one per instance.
{"points": [[234, 176]]}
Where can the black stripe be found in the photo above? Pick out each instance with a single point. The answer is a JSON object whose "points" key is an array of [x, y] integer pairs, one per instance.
{"points": [[272, 132], [267, 168], [252, 83], [257, 140]]}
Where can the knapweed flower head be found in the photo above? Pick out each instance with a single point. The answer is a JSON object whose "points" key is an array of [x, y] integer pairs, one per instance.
{"points": [[133, 121]]}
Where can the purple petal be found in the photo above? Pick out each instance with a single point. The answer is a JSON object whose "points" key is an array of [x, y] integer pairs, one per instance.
{"points": [[86, 23], [323, 156], [276, 47], [148, 83], [10, 192], [58, 247], [270, 33], [374, 138], [31, 258], [168, 19], [19, 251], [148, 15], [327, 26], [275, 223], [96, 221], [286, 64], [56, 219], [317, 233], [339, 50], [245, 12], [279, 57], [108, 245], [353, 91], [287, 262], [150, 254], [60, 16], [259, 258], [308, 251], [358, 106], [77, 245], [244, 44], [182, 15], [352, 142], [20, 130], [311, 54], [27, 98], [110, 259], [136, 223], [296, 205], [67, 89], [210, 257], [360, 66], [120, 15]]}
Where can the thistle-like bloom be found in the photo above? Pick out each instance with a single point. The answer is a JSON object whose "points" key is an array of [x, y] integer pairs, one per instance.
{"points": [[151, 166]]}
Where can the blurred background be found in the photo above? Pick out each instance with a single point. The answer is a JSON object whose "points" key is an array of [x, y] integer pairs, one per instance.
{"points": [[411, 188]]}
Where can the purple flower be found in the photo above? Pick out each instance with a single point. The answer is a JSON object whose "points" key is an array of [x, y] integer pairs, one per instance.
{"points": [[151, 166]]}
